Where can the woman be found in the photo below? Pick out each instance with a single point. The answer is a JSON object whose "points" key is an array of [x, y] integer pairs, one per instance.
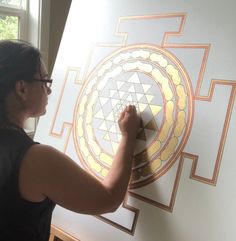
{"points": [[34, 177]]}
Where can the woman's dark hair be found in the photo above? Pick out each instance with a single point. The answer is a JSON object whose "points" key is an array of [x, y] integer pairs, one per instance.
{"points": [[19, 60]]}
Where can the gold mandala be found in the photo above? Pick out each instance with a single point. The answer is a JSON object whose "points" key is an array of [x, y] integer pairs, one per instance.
{"points": [[153, 80]]}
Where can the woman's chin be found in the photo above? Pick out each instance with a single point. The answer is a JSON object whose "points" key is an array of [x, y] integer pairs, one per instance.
{"points": [[37, 115]]}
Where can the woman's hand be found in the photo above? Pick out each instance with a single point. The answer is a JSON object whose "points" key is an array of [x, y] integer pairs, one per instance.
{"points": [[129, 122]]}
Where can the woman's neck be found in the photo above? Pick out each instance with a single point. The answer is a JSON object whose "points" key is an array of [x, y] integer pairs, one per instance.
{"points": [[14, 115], [16, 121]]}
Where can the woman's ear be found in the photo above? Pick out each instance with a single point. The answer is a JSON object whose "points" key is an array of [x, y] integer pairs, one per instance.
{"points": [[22, 89]]}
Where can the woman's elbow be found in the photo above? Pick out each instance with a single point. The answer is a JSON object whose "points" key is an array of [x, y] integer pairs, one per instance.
{"points": [[113, 204]]}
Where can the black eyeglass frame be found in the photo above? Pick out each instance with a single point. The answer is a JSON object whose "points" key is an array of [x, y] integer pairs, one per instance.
{"points": [[45, 81]]}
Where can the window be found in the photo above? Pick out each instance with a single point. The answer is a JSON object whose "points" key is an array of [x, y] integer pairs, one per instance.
{"points": [[12, 19], [14, 3], [27, 20], [13, 15], [9, 27]]}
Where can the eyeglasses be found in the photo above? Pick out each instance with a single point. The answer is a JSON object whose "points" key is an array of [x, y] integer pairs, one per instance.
{"points": [[47, 82]]}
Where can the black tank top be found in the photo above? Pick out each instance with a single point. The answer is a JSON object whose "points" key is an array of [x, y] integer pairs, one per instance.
{"points": [[19, 218]]}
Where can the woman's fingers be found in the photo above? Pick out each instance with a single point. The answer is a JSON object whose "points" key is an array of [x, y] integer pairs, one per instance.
{"points": [[122, 115]]}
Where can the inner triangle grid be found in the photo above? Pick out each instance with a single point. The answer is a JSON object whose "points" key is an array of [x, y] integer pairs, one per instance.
{"points": [[122, 93]]}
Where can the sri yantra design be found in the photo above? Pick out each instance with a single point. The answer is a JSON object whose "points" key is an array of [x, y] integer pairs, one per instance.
{"points": [[155, 81]]}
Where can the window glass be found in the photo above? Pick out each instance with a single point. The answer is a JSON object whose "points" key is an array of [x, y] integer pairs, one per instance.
{"points": [[9, 27], [13, 3]]}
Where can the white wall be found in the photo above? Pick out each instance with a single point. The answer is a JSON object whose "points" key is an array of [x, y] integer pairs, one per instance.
{"points": [[191, 195]]}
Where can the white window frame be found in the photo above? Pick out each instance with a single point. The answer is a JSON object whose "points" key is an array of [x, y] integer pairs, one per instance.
{"points": [[38, 35], [38, 25]]}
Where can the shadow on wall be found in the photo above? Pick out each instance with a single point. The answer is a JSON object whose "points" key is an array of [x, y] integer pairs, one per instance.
{"points": [[58, 15]]}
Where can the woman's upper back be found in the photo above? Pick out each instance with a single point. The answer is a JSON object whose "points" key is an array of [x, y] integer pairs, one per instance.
{"points": [[19, 217]]}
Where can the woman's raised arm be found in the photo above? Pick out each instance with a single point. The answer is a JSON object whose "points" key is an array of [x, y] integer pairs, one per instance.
{"points": [[46, 172]]}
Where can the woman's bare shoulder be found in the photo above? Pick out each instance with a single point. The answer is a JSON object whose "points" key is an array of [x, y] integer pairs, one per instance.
{"points": [[50, 173], [43, 149], [45, 155]]}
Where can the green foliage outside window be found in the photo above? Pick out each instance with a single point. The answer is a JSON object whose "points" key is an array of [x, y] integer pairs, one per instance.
{"points": [[8, 27]]}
